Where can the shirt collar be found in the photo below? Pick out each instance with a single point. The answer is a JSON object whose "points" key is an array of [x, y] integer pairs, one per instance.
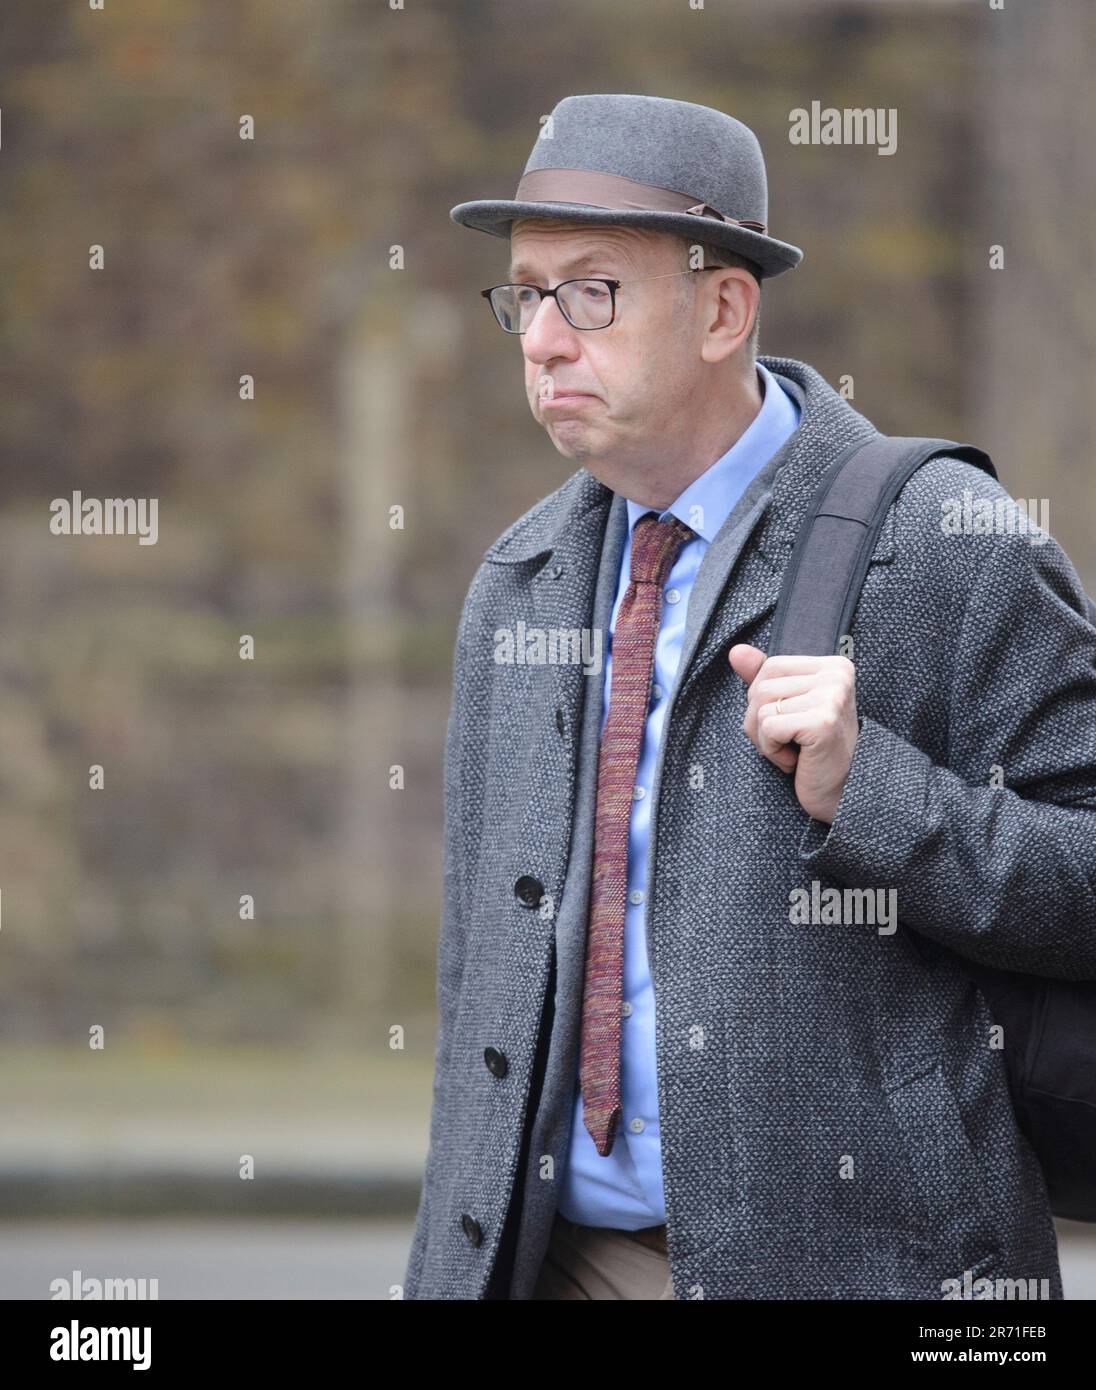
{"points": [[708, 500]]}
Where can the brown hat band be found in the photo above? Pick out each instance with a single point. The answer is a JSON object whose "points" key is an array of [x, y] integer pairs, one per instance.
{"points": [[593, 188]]}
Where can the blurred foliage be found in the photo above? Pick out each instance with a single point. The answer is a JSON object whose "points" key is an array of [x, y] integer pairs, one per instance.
{"points": [[271, 258]]}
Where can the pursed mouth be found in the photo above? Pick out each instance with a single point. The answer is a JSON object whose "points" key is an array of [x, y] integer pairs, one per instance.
{"points": [[558, 397]]}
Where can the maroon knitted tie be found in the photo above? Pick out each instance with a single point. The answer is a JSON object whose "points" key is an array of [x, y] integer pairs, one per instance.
{"points": [[655, 546]]}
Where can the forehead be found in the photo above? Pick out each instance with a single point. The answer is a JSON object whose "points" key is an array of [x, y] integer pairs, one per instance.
{"points": [[538, 246]]}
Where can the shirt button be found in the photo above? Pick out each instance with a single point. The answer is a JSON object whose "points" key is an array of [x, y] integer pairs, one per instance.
{"points": [[638, 793], [626, 1009], [656, 691], [636, 1126], [673, 595], [636, 895]]}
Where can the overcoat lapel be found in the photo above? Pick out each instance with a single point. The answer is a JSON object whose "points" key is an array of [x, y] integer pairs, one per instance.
{"points": [[556, 560]]}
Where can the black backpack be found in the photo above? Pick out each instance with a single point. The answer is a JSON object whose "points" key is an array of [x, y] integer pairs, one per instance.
{"points": [[1049, 1025]]}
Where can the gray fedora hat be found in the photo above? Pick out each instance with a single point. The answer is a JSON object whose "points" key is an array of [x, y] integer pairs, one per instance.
{"points": [[638, 161]]}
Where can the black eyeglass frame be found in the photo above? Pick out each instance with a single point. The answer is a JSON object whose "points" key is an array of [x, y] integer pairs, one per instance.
{"points": [[613, 286]]}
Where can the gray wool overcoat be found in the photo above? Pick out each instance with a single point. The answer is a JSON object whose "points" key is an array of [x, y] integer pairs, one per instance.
{"points": [[834, 1113]]}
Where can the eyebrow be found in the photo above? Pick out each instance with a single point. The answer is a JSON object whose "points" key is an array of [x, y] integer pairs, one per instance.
{"points": [[520, 270]]}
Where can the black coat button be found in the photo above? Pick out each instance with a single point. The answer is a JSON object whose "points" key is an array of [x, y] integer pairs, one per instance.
{"points": [[530, 890], [471, 1229], [496, 1061], [559, 721]]}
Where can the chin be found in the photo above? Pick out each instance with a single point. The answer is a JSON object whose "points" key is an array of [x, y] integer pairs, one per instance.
{"points": [[563, 447]]}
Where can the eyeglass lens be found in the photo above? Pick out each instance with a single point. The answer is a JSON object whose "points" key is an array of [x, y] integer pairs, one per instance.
{"points": [[585, 304]]}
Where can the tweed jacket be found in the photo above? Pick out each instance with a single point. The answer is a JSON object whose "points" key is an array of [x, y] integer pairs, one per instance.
{"points": [[834, 1112]]}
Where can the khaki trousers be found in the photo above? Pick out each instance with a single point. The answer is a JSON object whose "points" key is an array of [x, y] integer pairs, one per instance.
{"points": [[601, 1262]]}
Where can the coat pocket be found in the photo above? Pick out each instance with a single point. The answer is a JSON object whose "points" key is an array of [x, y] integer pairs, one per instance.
{"points": [[946, 1187]]}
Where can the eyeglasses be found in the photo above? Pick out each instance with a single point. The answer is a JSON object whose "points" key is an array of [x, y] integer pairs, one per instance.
{"points": [[585, 304]]}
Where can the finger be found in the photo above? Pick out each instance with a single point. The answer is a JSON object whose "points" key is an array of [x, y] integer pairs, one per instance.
{"points": [[789, 704], [770, 727], [785, 756], [746, 661], [766, 688], [778, 730], [796, 665], [766, 693]]}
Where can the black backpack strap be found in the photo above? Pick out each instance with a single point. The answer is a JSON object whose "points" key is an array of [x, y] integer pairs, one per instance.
{"points": [[834, 546]]}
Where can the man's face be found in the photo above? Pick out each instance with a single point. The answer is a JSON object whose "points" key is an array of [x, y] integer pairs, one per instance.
{"points": [[607, 394]]}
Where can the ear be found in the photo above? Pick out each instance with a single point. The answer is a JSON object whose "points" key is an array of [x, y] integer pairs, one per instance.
{"points": [[734, 297]]}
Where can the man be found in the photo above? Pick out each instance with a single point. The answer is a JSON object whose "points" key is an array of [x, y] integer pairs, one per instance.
{"points": [[653, 1078]]}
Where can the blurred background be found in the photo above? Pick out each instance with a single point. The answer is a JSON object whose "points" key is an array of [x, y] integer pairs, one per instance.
{"points": [[318, 258]]}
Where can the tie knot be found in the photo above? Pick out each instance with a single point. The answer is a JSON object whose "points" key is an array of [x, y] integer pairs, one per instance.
{"points": [[655, 547]]}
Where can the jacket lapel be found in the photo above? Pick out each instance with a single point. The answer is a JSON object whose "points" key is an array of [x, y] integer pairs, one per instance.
{"points": [[558, 553]]}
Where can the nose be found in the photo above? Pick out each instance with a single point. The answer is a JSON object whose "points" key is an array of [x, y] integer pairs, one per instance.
{"points": [[549, 334]]}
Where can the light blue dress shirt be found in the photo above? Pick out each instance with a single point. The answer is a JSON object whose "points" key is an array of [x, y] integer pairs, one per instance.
{"points": [[624, 1189]]}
